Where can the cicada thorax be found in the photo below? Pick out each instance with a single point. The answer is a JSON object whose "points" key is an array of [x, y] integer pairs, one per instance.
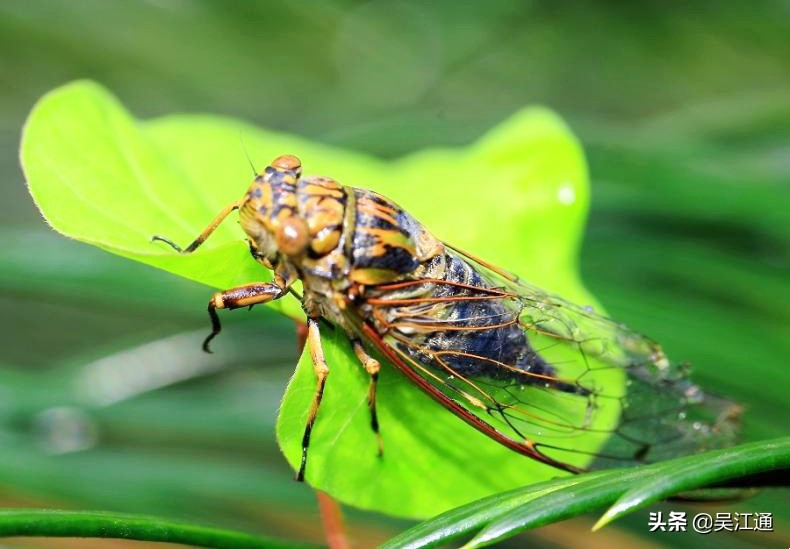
{"points": [[387, 244], [331, 236]]}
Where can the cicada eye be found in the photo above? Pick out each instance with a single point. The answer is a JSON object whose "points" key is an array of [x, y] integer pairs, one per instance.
{"points": [[288, 162], [292, 235]]}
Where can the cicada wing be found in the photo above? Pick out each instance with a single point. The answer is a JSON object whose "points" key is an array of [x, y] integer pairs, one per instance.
{"points": [[447, 395], [550, 376]]}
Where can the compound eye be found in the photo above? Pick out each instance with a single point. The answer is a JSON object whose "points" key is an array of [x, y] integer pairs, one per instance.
{"points": [[292, 235], [288, 162]]}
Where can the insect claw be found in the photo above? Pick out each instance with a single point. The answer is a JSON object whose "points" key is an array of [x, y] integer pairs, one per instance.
{"points": [[216, 327], [159, 238]]}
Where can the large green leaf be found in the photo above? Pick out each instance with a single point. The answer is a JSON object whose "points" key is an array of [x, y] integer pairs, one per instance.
{"points": [[518, 197]]}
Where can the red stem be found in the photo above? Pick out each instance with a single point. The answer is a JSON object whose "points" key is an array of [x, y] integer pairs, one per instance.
{"points": [[332, 518]]}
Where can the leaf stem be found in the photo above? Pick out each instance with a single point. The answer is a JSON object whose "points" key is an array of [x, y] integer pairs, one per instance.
{"points": [[97, 524], [332, 518]]}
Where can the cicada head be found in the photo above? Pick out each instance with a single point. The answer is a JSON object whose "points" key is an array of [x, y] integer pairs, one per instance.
{"points": [[270, 214]]}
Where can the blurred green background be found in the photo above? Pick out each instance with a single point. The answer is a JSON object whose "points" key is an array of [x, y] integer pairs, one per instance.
{"points": [[683, 109]]}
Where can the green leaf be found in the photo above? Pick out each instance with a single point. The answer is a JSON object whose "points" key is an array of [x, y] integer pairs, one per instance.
{"points": [[518, 197], [97, 176], [92, 524], [472, 517], [505, 515], [687, 475]]}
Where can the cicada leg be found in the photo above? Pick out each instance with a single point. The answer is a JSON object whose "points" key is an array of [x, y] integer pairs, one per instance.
{"points": [[321, 370], [204, 235], [242, 296], [372, 366]]}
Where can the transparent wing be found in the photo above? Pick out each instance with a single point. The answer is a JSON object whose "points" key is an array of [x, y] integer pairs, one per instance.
{"points": [[542, 375]]}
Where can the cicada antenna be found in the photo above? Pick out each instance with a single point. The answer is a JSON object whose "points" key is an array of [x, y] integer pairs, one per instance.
{"points": [[247, 154]]}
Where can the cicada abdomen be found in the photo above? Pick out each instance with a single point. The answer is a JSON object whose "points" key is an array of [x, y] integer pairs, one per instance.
{"points": [[542, 376]]}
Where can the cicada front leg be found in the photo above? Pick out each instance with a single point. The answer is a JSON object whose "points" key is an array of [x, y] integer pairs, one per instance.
{"points": [[195, 244], [372, 366], [247, 295]]}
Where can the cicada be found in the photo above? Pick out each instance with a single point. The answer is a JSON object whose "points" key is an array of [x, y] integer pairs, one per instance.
{"points": [[529, 369]]}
